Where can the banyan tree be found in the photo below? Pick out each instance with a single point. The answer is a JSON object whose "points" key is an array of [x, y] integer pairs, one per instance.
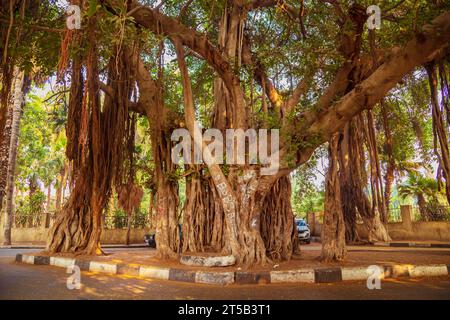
{"points": [[311, 69]]}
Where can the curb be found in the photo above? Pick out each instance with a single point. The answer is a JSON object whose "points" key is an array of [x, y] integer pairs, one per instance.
{"points": [[400, 244], [105, 246], [411, 245], [305, 275]]}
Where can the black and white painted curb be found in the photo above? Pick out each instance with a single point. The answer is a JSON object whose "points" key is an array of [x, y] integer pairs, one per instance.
{"points": [[412, 245], [308, 275], [400, 244]]}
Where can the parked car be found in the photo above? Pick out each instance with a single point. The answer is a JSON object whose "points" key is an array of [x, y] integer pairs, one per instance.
{"points": [[150, 239], [304, 233]]}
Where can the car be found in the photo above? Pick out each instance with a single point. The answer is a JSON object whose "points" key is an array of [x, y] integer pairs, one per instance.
{"points": [[304, 233], [150, 239]]}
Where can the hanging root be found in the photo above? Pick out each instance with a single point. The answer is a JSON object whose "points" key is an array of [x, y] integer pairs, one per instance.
{"points": [[277, 222]]}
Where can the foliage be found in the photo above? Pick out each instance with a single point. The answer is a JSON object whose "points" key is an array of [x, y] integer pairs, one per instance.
{"points": [[417, 186], [41, 149], [31, 205], [307, 194]]}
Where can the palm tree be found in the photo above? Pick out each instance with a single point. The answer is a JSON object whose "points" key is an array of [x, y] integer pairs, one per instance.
{"points": [[421, 188], [4, 154], [18, 99]]}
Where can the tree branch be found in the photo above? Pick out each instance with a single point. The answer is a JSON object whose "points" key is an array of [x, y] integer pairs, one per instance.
{"points": [[421, 49], [161, 24]]}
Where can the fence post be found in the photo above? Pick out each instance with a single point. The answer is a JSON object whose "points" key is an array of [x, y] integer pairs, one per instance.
{"points": [[406, 213], [43, 221], [311, 219]]}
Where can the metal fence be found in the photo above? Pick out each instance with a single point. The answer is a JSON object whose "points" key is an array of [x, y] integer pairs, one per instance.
{"points": [[32, 220], [40, 220], [138, 221], [394, 215], [431, 212]]}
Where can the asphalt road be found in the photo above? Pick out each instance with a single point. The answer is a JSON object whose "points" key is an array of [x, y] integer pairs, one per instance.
{"points": [[20, 281]]}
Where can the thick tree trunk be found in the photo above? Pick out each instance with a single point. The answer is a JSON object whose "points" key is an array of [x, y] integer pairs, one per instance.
{"points": [[73, 230], [218, 236], [167, 229], [252, 193], [278, 229], [351, 172], [333, 229], [18, 100], [199, 216], [167, 202]]}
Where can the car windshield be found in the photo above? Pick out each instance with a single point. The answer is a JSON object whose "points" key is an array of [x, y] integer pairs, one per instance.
{"points": [[301, 223]]}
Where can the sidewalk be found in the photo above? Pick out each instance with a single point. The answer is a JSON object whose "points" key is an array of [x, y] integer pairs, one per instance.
{"points": [[303, 268]]}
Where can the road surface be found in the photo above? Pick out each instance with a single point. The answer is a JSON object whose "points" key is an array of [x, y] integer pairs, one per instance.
{"points": [[21, 281]]}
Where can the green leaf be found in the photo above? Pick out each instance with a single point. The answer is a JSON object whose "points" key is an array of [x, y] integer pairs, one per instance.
{"points": [[93, 6]]}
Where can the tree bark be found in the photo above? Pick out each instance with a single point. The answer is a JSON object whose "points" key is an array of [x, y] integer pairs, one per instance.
{"points": [[244, 210], [333, 232], [5, 142], [18, 101], [62, 183], [73, 229], [203, 219], [440, 130], [390, 166], [278, 229]]}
